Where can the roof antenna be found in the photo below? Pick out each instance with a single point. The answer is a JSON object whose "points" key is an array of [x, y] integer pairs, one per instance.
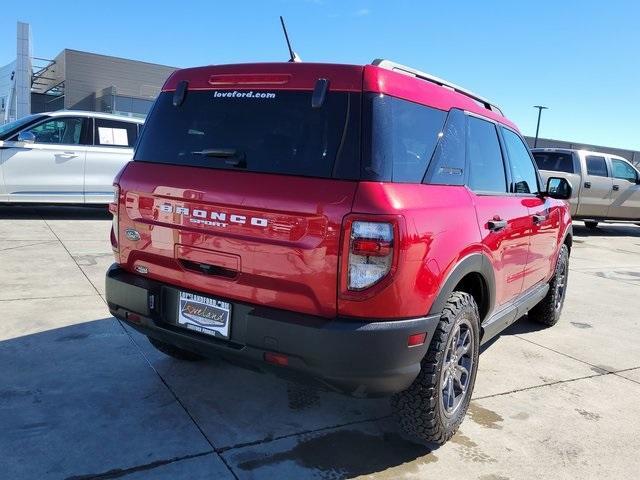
{"points": [[293, 56]]}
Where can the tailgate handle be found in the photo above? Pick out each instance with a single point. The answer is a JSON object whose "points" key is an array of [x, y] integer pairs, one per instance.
{"points": [[208, 269], [208, 262]]}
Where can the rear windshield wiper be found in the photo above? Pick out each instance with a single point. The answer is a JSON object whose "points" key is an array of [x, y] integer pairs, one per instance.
{"points": [[232, 156]]}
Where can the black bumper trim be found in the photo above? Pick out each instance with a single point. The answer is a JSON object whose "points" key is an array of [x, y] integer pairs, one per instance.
{"points": [[360, 358]]}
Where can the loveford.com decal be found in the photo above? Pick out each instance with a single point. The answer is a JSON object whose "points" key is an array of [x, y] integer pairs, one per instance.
{"points": [[239, 94]]}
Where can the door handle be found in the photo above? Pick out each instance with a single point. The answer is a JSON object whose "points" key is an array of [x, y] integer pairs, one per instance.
{"points": [[539, 218], [587, 184], [616, 187], [495, 225]]}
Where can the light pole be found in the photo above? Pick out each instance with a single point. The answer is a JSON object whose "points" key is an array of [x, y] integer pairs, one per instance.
{"points": [[540, 108]]}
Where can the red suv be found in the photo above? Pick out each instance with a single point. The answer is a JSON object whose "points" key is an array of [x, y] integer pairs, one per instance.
{"points": [[362, 227]]}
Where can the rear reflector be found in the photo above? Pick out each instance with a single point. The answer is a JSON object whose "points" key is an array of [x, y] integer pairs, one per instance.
{"points": [[276, 358], [364, 246], [416, 339], [132, 317]]}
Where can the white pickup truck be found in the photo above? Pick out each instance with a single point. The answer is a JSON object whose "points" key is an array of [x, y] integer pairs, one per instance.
{"points": [[605, 186]]}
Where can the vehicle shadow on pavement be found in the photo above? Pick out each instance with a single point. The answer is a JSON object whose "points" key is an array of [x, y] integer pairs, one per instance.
{"points": [[520, 326], [83, 400], [54, 212], [606, 230]]}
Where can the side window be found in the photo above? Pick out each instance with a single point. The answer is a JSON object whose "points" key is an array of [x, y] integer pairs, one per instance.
{"points": [[554, 161], [596, 166], [403, 137], [525, 177], [623, 170], [114, 133], [61, 131], [448, 163], [486, 167]]}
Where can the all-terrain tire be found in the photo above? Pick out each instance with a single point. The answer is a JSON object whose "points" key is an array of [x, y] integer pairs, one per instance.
{"points": [[548, 311], [419, 409], [175, 352], [590, 224]]}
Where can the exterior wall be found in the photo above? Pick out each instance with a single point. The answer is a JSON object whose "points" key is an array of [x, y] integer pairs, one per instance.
{"points": [[632, 155], [7, 97], [88, 76]]}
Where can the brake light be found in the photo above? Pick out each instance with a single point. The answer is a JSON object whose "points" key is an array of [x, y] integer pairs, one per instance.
{"points": [[370, 253]]}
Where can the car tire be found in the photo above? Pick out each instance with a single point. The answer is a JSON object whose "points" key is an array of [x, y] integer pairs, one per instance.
{"points": [[591, 225], [420, 410], [548, 311], [175, 352]]}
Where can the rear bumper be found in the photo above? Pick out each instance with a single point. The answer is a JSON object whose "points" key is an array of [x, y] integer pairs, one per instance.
{"points": [[351, 356]]}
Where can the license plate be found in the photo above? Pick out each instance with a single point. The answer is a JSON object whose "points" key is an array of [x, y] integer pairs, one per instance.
{"points": [[205, 315]]}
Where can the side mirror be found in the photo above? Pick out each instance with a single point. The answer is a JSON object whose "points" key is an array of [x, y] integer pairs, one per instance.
{"points": [[559, 188], [26, 137]]}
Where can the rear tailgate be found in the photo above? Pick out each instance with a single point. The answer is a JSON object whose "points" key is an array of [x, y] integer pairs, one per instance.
{"points": [[271, 241], [240, 182]]}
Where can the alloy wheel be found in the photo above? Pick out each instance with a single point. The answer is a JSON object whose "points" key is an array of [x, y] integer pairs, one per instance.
{"points": [[457, 368]]}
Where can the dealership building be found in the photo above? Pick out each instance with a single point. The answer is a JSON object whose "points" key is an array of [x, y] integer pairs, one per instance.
{"points": [[76, 80], [89, 81]]}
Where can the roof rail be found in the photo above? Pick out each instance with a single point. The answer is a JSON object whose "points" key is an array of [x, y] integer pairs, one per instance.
{"points": [[389, 65]]}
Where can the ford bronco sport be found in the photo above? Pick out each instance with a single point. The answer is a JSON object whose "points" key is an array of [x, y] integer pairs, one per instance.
{"points": [[366, 228]]}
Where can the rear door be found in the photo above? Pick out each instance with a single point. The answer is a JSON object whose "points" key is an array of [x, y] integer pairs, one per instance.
{"points": [[503, 218], [625, 194], [112, 148], [241, 194], [51, 169], [544, 217], [595, 194]]}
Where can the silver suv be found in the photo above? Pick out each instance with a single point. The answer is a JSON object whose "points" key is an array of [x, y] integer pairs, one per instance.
{"points": [[64, 156]]}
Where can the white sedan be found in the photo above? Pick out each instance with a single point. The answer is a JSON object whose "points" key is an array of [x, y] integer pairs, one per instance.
{"points": [[64, 156]]}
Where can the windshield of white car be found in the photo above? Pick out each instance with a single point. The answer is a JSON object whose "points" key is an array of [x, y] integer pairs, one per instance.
{"points": [[10, 128]]}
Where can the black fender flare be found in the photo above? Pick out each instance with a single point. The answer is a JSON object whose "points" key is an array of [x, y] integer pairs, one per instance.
{"points": [[568, 233], [474, 263]]}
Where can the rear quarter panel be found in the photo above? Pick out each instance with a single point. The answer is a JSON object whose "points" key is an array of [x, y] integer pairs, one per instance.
{"points": [[439, 229]]}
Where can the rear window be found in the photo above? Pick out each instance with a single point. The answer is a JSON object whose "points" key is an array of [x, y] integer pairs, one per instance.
{"points": [[114, 133], [554, 161], [269, 132], [400, 139]]}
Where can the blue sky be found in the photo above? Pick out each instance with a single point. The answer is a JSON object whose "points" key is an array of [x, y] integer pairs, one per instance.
{"points": [[580, 58]]}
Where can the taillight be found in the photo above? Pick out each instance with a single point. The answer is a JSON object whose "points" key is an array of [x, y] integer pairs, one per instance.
{"points": [[113, 209], [371, 246]]}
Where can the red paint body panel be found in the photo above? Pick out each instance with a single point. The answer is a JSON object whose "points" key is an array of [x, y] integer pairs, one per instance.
{"points": [[303, 76], [292, 264], [430, 245], [382, 80]]}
